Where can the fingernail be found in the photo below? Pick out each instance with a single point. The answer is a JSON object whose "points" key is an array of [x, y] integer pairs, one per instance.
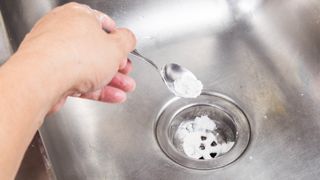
{"points": [[129, 84], [102, 17], [120, 96], [132, 83]]}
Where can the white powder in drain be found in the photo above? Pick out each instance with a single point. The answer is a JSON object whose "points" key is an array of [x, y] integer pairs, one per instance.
{"points": [[187, 86], [199, 139]]}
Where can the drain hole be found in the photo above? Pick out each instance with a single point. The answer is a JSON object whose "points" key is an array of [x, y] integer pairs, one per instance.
{"points": [[201, 137], [205, 133], [213, 155], [202, 147], [213, 143]]}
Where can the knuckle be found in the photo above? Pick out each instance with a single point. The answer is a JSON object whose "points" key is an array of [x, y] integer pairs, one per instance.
{"points": [[75, 5], [119, 42], [72, 5], [129, 33], [132, 38], [127, 39], [116, 47]]}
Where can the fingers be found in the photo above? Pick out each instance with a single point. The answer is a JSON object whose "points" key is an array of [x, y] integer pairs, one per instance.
{"points": [[92, 95], [127, 68], [123, 82], [106, 22], [121, 42], [112, 95], [74, 5], [125, 38], [107, 94], [115, 91]]}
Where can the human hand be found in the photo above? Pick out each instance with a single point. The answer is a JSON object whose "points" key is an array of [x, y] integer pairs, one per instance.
{"points": [[79, 56], [66, 53]]}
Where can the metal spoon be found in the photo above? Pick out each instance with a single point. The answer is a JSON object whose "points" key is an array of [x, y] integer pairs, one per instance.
{"points": [[169, 73]]}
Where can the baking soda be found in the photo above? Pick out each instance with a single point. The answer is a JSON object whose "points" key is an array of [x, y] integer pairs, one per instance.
{"points": [[200, 139], [187, 86]]}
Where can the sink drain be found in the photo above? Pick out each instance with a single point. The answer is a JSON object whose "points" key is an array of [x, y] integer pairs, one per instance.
{"points": [[207, 132], [202, 132]]}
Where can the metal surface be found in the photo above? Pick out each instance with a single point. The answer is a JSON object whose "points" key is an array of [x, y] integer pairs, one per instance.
{"points": [[263, 54], [20, 16], [34, 165], [5, 47]]}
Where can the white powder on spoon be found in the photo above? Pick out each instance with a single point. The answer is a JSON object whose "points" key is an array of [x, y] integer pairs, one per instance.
{"points": [[187, 86]]}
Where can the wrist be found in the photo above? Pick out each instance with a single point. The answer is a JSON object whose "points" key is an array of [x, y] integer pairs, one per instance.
{"points": [[27, 94], [31, 77]]}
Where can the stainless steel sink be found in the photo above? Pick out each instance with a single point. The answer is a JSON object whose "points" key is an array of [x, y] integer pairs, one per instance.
{"points": [[262, 54]]}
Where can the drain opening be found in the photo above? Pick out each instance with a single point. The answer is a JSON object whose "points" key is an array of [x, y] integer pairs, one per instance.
{"points": [[213, 143], [206, 132], [202, 132], [213, 155]]}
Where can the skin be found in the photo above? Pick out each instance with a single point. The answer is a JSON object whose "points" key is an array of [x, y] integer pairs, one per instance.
{"points": [[67, 53]]}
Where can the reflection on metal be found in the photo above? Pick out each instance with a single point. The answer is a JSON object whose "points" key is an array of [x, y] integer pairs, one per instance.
{"points": [[20, 16], [248, 6], [5, 47], [189, 16], [263, 55]]}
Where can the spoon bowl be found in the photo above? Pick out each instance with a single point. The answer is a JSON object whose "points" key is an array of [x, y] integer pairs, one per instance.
{"points": [[179, 80]]}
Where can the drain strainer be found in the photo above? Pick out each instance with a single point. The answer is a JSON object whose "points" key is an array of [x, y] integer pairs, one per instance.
{"points": [[207, 132]]}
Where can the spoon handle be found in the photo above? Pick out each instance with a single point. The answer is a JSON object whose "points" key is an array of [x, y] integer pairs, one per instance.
{"points": [[136, 53]]}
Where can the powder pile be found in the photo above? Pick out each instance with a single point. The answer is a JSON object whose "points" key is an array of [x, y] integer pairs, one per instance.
{"points": [[187, 86], [200, 139]]}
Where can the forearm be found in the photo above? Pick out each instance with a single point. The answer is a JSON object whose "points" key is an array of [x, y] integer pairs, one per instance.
{"points": [[66, 53], [24, 103]]}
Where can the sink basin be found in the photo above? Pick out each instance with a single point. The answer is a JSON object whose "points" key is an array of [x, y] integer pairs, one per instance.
{"points": [[263, 55]]}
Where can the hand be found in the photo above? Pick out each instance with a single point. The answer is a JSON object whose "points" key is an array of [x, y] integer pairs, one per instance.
{"points": [[66, 53], [85, 60]]}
